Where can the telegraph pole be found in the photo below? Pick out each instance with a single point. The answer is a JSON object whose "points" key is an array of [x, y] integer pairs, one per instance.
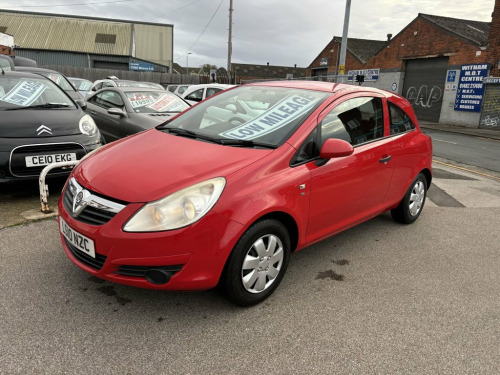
{"points": [[343, 47], [229, 43]]}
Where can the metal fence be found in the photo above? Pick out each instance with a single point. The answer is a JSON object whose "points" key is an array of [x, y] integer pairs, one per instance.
{"points": [[93, 74], [330, 78]]}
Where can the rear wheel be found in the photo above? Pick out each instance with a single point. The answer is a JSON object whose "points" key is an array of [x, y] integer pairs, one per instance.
{"points": [[411, 205], [257, 263]]}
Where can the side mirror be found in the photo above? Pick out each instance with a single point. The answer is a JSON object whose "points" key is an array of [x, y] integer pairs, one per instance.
{"points": [[116, 111], [81, 103], [335, 148]]}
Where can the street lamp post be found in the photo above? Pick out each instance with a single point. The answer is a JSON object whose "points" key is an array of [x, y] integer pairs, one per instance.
{"points": [[187, 62]]}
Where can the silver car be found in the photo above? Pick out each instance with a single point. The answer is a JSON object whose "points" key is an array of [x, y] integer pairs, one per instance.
{"points": [[122, 111]]}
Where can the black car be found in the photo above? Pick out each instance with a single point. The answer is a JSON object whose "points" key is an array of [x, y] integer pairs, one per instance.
{"points": [[39, 125], [122, 111], [55, 76]]}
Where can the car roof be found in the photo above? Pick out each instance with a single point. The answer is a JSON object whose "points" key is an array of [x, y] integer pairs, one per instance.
{"points": [[17, 73], [134, 89], [320, 86], [33, 69], [79, 79]]}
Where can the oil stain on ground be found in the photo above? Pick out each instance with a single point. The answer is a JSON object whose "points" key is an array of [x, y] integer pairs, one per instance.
{"points": [[110, 291], [330, 274]]}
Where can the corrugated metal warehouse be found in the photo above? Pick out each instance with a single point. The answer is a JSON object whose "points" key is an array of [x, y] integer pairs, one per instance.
{"points": [[54, 39]]}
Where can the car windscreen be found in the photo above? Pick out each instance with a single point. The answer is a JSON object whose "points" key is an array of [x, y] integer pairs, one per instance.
{"points": [[81, 84], [263, 114], [25, 92], [143, 101], [60, 80]]}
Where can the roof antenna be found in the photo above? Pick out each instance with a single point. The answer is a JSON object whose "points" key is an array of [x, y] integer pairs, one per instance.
{"points": [[3, 72]]}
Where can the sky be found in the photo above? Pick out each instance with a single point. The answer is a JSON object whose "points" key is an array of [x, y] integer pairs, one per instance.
{"points": [[278, 32]]}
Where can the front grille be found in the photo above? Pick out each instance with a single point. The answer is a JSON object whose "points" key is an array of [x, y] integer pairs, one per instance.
{"points": [[95, 263], [18, 166], [140, 271], [90, 215]]}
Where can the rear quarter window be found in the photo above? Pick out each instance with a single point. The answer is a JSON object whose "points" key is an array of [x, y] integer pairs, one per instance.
{"points": [[399, 120]]}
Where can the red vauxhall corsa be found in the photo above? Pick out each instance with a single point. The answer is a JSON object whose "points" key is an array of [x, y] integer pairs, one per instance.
{"points": [[223, 193]]}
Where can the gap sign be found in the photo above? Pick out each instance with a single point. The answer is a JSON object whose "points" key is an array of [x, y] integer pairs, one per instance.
{"points": [[141, 66], [470, 88]]}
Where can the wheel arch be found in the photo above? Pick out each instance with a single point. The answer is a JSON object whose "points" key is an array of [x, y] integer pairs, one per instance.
{"points": [[428, 176], [288, 221]]}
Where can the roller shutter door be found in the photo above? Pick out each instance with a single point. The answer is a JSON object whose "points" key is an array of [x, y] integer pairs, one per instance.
{"points": [[424, 86]]}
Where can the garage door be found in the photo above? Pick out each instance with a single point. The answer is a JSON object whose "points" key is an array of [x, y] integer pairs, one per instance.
{"points": [[424, 86]]}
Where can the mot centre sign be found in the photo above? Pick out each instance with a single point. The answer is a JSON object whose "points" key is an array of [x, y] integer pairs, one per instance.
{"points": [[470, 88], [371, 75]]}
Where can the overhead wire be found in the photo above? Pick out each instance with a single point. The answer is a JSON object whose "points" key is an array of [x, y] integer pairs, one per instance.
{"points": [[202, 32]]}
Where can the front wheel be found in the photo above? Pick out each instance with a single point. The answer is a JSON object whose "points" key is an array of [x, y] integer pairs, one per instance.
{"points": [[411, 205], [257, 263]]}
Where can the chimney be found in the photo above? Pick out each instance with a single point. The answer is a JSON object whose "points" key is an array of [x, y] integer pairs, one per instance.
{"points": [[389, 36], [494, 41]]}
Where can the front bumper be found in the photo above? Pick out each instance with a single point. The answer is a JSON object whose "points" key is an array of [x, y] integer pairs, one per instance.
{"points": [[193, 257], [80, 144]]}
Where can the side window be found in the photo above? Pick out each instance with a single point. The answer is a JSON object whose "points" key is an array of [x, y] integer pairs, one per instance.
{"points": [[308, 150], [212, 90], [356, 121], [97, 87], [108, 99], [196, 96], [182, 89], [400, 121]]}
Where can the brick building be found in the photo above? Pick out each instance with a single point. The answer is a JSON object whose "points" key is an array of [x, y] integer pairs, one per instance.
{"points": [[358, 52], [438, 63], [253, 72]]}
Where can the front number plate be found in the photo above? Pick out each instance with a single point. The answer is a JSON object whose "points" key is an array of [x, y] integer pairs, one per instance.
{"points": [[39, 160], [78, 240]]}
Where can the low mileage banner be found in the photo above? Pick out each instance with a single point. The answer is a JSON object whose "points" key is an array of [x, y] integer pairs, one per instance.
{"points": [[470, 88]]}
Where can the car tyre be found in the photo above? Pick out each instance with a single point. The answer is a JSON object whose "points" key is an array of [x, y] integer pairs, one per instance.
{"points": [[412, 204], [257, 263]]}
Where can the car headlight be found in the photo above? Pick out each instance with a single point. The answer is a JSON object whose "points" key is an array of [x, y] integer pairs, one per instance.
{"points": [[179, 209], [88, 126]]}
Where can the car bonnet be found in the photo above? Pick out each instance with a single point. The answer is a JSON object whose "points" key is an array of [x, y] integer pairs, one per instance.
{"points": [[153, 164], [34, 123]]}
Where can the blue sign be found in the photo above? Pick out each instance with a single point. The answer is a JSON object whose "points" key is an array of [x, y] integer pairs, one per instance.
{"points": [[452, 74], [470, 88], [141, 66]]}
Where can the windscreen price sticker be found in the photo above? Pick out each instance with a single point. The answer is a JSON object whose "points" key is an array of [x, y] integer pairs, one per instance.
{"points": [[25, 93], [140, 100], [165, 103], [279, 115]]}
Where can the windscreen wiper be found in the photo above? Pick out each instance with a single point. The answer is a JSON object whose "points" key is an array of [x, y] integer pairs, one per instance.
{"points": [[245, 143], [189, 134], [41, 106]]}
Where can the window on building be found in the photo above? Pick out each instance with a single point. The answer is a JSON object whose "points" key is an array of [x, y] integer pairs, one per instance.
{"points": [[105, 38]]}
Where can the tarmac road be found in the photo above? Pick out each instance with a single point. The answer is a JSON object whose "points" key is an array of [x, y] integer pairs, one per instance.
{"points": [[379, 298]]}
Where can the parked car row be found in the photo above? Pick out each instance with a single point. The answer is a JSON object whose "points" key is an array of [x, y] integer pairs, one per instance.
{"points": [[46, 118]]}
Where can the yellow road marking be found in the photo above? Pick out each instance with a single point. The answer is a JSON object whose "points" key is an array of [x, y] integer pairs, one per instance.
{"points": [[467, 170]]}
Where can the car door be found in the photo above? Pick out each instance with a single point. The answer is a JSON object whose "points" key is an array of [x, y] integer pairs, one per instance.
{"points": [[348, 190], [110, 125]]}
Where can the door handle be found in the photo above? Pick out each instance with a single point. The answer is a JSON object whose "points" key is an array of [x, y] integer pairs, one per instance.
{"points": [[93, 112], [385, 159]]}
